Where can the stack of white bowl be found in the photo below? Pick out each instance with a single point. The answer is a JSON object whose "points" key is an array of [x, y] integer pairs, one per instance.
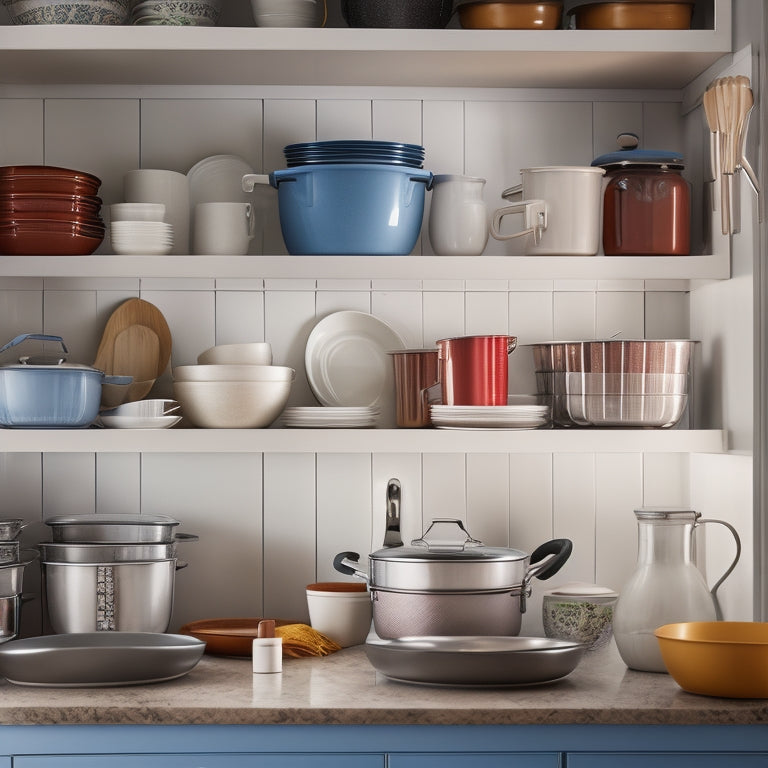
{"points": [[233, 386], [139, 228]]}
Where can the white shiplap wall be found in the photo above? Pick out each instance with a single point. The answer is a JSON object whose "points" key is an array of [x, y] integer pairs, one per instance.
{"points": [[271, 524]]}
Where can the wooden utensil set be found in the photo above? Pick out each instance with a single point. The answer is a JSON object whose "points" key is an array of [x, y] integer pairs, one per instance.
{"points": [[727, 104]]}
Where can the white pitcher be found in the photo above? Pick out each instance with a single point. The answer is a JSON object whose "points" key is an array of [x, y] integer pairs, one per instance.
{"points": [[458, 220]]}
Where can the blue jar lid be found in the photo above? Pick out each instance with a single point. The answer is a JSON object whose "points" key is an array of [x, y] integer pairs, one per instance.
{"points": [[630, 156]]}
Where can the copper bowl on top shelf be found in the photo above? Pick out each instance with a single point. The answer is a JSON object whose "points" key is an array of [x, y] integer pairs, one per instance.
{"points": [[629, 14], [509, 14]]}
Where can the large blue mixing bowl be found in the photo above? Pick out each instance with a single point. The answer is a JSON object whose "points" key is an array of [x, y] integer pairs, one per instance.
{"points": [[361, 209]]}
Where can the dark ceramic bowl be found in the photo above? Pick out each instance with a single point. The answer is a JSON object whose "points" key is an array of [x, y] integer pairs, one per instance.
{"points": [[44, 179], [397, 14], [51, 238], [83, 205]]}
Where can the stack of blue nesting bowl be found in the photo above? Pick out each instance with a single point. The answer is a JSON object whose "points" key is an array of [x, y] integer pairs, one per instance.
{"points": [[351, 197]]}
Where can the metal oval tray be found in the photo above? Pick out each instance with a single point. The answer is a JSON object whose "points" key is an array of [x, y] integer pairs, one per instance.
{"points": [[475, 661], [98, 659]]}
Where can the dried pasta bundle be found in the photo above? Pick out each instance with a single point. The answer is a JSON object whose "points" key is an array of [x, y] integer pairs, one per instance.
{"points": [[300, 641]]}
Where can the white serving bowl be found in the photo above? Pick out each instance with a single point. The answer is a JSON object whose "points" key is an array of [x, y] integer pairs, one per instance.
{"points": [[68, 12], [233, 373], [248, 353], [231, 404]]}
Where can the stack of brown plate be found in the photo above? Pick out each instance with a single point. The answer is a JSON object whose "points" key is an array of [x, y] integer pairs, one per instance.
{"points": [[47, 210]]}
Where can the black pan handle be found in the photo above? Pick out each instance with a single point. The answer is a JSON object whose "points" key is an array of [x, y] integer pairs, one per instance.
{"points": [[345, 563], [560, 549]]}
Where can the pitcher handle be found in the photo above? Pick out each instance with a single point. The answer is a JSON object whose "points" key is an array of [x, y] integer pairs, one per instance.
{"points": [[727, 573], [535, 219]]}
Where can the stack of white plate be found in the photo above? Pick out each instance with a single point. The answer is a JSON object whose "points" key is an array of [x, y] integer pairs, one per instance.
{"points": [[153, 238], [490, 416], [338, 417]]}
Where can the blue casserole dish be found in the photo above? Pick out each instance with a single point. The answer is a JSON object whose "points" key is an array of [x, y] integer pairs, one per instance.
{"points": [[348, 208], [46, 393]]}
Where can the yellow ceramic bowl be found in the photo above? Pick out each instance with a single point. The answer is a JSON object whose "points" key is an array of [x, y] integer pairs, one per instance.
{"points": [[717, 658]]}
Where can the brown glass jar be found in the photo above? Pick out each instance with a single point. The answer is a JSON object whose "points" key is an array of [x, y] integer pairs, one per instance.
{"points": [[646, 204]]}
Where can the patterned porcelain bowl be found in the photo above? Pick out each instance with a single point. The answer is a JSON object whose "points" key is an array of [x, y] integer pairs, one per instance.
{"points": [[62, 12], [177, 12], [580, 612]]}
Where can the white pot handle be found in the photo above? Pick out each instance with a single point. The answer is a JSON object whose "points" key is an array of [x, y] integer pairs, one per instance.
{"points": [[250, 180], [535, 219]]}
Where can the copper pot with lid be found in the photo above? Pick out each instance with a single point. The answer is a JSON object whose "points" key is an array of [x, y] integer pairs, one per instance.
{"points": [[646, 203]]}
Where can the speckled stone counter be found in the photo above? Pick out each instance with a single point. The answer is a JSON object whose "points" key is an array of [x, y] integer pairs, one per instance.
{"points": [[345, 689]]}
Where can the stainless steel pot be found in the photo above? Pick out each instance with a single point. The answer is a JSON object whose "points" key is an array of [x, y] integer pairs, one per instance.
{"points": [[99, 597], [447, 583], [12, 577], [105, 553], [11, 528], [10, 616], [116, 529]]}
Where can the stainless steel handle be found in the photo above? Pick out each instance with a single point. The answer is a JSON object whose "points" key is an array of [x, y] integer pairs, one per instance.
{"points": [[392, 536]]}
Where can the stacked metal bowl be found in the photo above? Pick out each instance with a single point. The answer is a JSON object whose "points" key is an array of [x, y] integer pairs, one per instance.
{"points": [[107, 573], [47, 210], [614, 382], [12, 565]]}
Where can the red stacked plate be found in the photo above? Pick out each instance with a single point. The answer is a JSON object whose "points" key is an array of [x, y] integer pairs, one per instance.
{"points": [[47, 210]]}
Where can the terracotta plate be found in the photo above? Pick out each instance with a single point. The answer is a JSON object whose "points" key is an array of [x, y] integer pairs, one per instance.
{"points": [[228, 637]]}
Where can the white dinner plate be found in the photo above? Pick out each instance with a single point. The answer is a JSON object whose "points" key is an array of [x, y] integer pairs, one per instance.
{"points": [[218, 179], [348, 365]]}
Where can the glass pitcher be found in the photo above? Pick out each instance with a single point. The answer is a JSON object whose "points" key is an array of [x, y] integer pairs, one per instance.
{"points": [[666, 586]]}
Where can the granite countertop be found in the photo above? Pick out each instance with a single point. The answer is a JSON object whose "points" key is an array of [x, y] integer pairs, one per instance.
{"points": [[344, 688]]}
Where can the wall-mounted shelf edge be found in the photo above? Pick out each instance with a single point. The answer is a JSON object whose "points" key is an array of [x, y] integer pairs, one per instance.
{"points": [[342, 56], [706, 267], [361, 441]]}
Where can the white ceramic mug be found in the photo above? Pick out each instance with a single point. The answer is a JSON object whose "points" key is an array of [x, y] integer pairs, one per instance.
{"points": [[341, 611], [152, 185], [223, 228], [561, 207], [458, 220]]}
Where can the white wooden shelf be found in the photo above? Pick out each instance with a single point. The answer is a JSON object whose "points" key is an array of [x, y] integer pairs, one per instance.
{"points": [[361, 441], [372, 57], [707, 267]]}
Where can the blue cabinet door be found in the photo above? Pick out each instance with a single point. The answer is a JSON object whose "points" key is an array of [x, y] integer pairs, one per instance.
{"points": [[200, 760], [667, 760], [476, 760]]}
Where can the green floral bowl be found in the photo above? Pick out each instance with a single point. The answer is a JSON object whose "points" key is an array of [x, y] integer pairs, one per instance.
{"points": [[580, 612]]}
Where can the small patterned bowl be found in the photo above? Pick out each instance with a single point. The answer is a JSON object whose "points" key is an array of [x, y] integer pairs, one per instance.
{"points": [[580, 612], [110, 12], [177, 12]]}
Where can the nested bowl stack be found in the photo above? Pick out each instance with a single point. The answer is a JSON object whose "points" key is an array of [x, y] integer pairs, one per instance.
{"points": [[48, 210], [233, 386], [615, 382], [12, 564]]}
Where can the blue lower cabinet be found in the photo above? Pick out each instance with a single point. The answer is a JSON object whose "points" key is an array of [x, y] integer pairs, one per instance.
{"points": [[667, 760], [477, 760], [244, 760]]}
